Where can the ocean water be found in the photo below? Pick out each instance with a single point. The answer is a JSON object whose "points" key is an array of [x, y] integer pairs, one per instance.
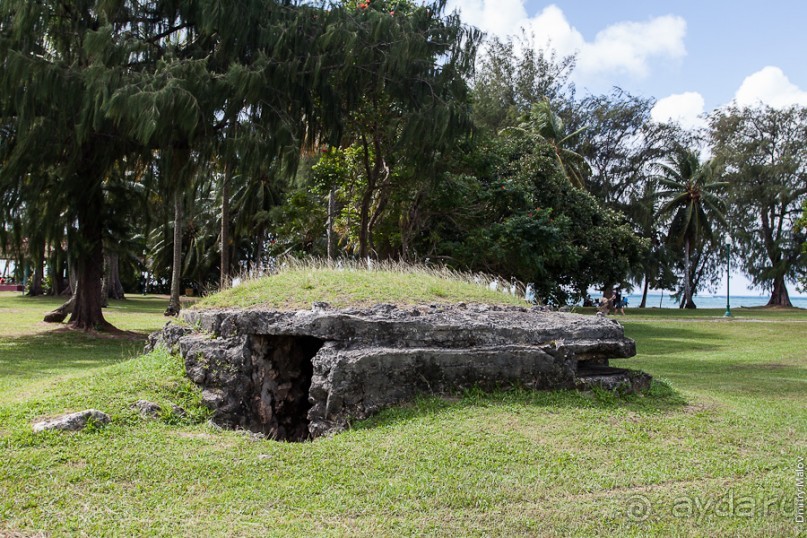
{"points": [[654, 300]]}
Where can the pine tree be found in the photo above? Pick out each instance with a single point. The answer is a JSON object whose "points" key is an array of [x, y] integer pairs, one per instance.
{"points": [[92, 84]]}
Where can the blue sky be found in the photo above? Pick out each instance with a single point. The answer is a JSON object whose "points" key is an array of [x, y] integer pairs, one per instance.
{"points": [[724, 42], [692, 57]]}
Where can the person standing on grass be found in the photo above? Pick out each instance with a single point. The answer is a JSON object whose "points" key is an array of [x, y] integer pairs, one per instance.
{"points": [[619, 304]]}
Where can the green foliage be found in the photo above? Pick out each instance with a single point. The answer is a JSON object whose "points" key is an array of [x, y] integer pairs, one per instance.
{"points": [[692, 198], [118, 86], [692, 201], [511, 76], [764, 152], [399, 102], [544, 122], [519, 216], [801, 227]]}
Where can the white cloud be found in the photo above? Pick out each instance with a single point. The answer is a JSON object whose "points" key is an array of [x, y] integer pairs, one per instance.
{"points": [[551, 26], [771, 86], [628, 47], [500, 18], [682, 108], [768, 85], [623, 48]]}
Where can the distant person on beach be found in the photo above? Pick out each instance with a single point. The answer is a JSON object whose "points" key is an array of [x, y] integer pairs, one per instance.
{"points": [[619, 304]]}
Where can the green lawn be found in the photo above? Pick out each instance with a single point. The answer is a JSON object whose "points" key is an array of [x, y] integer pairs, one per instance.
{"points": [[712, 451]]}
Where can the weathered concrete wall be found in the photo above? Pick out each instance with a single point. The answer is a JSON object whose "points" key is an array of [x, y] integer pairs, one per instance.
{"points": [[297, 375]]}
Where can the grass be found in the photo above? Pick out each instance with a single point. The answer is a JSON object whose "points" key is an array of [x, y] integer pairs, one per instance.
{"points": [[298, 285], [712, 451], [33, 353], [757, 313]]}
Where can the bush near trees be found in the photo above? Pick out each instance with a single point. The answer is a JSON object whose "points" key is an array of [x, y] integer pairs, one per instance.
{"points": [[182, 142]]}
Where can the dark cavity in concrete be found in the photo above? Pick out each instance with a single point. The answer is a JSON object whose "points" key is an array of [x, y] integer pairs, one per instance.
{"points": [[281, 378]]}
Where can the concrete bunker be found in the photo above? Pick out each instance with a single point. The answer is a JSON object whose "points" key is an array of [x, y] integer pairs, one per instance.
{"points": [[298, 375]]}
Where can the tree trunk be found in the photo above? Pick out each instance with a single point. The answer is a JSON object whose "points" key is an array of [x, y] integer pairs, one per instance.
{"points": [[643, 304], [39, 272], [372, 173], [257, 267], [104, 282], [176, 268], [55, 264], [111, 287], [59, 315], [112, 283], [329, 225], [364, 224], [779, 295], [688, 303], [87, 313], [224, 273], [69, 288], [72, 277]]}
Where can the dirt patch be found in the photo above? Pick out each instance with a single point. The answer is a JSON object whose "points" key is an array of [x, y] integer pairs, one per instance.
{"points": [[22, 534], [700, 407]]}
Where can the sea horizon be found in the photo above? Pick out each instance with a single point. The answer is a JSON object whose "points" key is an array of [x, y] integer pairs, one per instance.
{"points": [[657, 300]]}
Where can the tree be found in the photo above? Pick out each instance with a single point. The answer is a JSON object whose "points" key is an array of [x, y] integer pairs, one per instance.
{"points": [[507, 209], [402, 96], [90, 85], [53, 73], [620, 142], [692, 203], [255, 199], [801, 227], [542, 121], [764, 151], [657, 266], [512, 75]]}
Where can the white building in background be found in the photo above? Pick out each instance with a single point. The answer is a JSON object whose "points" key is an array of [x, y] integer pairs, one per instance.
{"points": [[6, 267]]}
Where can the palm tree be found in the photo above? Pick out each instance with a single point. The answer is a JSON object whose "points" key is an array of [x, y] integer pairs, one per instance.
{"points": [[691, 203], [544, 122], [656, 267]]}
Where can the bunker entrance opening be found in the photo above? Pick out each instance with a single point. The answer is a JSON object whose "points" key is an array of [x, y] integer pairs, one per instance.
{"points": [[282, 380]]}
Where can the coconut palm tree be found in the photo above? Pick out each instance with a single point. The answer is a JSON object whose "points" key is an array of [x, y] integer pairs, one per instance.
{"points": [[543, 121], [691, 204]]}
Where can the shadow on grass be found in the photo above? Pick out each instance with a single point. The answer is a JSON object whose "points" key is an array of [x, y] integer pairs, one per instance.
{"points": [[661, 398], [139, 304], [29, 356], [655, 340], [771, 380], [136, 304]]}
